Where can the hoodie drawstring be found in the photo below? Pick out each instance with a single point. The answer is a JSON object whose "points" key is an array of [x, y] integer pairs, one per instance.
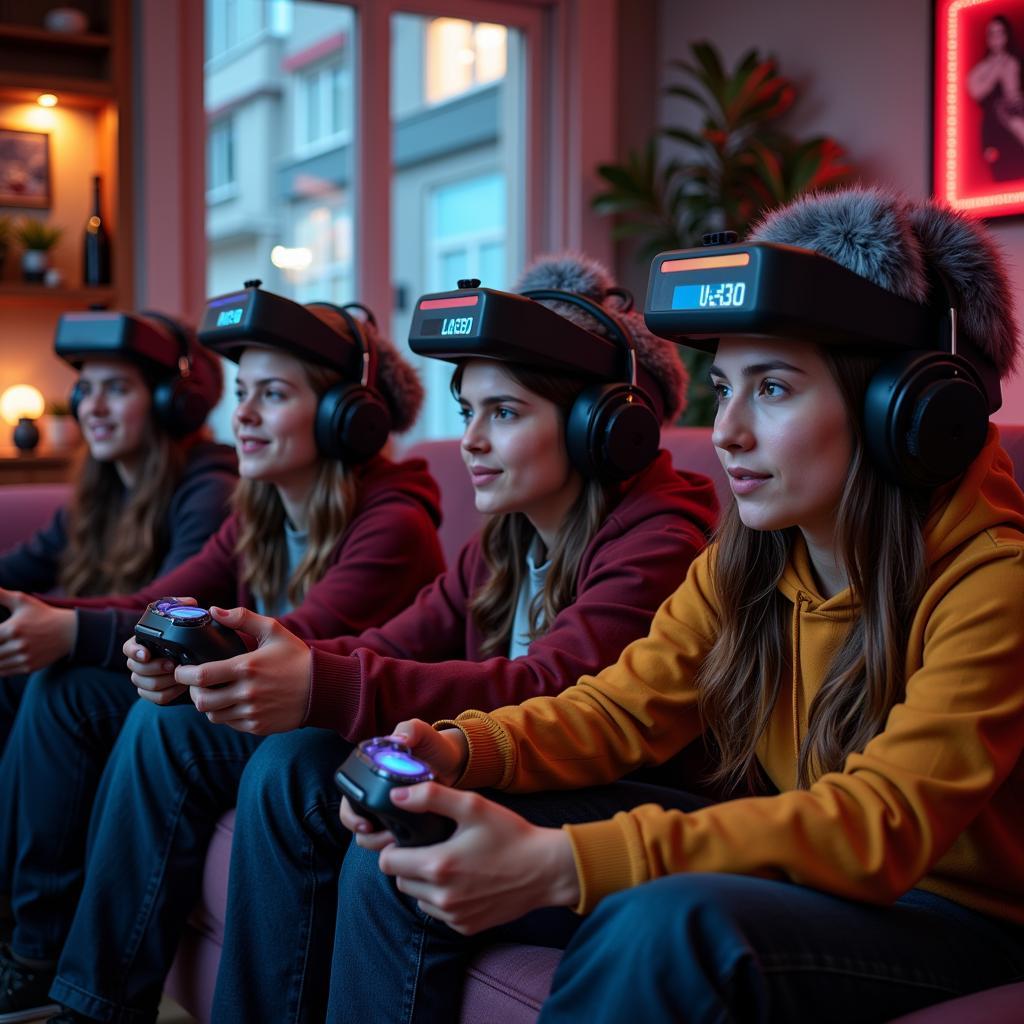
{"points": [[797, 678]]}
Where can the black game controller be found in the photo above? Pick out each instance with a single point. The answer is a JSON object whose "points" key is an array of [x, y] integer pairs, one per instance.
{"points": [[185, 634], [367, 777]]}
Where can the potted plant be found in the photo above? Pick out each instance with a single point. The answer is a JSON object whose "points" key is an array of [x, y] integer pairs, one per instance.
{"points": [[5, 238], [723, 174], [36, 239], [60, 428]]}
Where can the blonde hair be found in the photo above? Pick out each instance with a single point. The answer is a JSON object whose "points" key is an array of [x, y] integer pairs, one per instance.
{"points": [[261, 546]]}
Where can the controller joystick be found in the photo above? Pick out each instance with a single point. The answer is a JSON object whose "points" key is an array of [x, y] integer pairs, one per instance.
{"points": [[186, 634], [367, 777]]}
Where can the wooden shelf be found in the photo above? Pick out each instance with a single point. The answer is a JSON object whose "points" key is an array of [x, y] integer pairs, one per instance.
{"points": [[33, 293], [23, 83], [72, 40]]}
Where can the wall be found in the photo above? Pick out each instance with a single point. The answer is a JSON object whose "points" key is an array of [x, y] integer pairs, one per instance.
{"points": [[865, 75], [27, 322]]}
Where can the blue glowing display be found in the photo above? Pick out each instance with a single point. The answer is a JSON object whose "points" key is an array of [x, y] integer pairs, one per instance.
{"points": [[230, 317], [722, 295], [399, 763], [185, 611]]}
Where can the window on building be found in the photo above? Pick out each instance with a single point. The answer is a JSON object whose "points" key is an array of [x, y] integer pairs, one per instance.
{"points": [[324, 96], [220, 160], [461, 55], [230, 22]]}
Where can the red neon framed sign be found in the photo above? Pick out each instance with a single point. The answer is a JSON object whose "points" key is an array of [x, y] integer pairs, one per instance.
{"points": [[978, 160]]}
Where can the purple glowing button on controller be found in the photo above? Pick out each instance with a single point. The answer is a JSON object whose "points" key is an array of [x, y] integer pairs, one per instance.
{"points": [[393, 758]]}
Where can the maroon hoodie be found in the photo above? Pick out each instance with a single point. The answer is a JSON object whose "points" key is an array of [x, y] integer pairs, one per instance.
{"points": [[427, 662], [388, 552]]}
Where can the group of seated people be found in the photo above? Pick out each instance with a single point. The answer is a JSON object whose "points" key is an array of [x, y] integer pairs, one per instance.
{"points": [[766, 768]]}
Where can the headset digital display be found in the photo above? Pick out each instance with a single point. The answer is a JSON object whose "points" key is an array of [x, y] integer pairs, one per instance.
{"points": [[764, 289]]}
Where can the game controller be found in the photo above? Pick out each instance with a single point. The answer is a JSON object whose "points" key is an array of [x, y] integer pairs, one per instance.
{"points": [[185, 634], [367, 777]]}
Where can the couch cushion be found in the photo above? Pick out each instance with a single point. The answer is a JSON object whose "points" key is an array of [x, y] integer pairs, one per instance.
{"points": [[508, 983], [28, 508], [1003, 1005]]}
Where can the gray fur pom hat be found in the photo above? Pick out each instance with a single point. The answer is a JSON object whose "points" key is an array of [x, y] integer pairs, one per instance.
{"points": [[397, 381], [895, 242], [658, 360]]}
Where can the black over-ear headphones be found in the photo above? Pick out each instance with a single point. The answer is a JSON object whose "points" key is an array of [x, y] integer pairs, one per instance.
{"points": [[926, 411], [180, 403], [611, 432], [352, 420]]}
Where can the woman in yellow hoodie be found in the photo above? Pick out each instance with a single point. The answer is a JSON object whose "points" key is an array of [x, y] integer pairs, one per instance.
{"points": [[851, 650]]}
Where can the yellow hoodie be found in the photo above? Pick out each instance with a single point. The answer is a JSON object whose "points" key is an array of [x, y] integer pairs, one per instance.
{"points": [[935, 800]]}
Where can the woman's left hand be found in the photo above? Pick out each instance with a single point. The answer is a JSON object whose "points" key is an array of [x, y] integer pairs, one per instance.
{"points": [[495, 867], [36, 634], [262, 691]]}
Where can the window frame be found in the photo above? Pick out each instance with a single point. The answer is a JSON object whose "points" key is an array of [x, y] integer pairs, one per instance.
{"points": [[571, 110]]}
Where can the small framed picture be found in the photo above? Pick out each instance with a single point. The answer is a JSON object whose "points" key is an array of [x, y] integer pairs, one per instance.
{"points": [[24, 168]]}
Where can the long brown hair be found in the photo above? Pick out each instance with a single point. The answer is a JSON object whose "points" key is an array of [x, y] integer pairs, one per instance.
{"points": [[261, 545], [117, 537], [879, 538], [506, 538]]}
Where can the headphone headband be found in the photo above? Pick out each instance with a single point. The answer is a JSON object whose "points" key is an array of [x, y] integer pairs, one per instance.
{"points": [[184, 353], [367, 352], [600, 314]]}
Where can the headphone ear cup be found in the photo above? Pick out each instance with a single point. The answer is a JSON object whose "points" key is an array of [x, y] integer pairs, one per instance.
{"points": [[925, 418], [75, 398], [179, 406], [352, 423], [611, 433]]}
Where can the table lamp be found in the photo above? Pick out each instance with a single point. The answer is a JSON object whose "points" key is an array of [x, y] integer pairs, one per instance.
{"points": [[19, 406]]}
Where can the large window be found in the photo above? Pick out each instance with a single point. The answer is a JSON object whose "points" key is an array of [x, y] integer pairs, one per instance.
{"points": [[305, 198]]}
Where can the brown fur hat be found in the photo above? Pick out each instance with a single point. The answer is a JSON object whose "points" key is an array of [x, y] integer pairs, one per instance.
{"points": [[397, 381], [575, 272]]}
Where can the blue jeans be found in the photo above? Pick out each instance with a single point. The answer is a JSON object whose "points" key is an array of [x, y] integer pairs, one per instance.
{"points": [[282, 889], [170, 776], [391, 962], [67, 723], [11, 689], [701, 948]]}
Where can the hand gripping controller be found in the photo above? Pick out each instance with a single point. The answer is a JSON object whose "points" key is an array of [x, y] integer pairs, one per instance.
{"points": [[185, 634], [367, 777]]}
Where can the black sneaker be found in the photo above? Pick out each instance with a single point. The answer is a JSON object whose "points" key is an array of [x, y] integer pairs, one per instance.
{"points": [[23, 991]]}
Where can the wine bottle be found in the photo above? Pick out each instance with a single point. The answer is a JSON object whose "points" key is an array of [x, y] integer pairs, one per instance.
{"points": [[96, 248]]}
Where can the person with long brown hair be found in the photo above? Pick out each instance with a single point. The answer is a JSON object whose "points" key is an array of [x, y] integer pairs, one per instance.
{"points": [[327, 533], [147, 488], [576, 555], [850, 648]]}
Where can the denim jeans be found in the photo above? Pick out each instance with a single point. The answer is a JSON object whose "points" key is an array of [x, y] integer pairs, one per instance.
{"points": [[700, 948], [391, 962], [169, 778], [67, 723], [11, 690], [282, 889]]}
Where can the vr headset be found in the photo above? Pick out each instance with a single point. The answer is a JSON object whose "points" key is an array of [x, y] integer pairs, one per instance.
{"points": [[233, 322], [927, 406], [181, 402], [611, 430], [148, 338], [512, 328], [694, 296]]}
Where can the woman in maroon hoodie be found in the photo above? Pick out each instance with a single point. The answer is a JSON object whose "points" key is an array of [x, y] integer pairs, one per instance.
{"points": [[571, 565], [327, 534]]}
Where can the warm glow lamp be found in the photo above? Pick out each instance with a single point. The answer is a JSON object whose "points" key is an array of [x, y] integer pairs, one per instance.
{"points": [[19, 406]]}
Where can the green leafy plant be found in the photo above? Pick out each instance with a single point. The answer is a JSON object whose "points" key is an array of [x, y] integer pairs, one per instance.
{"points": [[58, 407], [36, 234], [6, 226], [722, 175]]}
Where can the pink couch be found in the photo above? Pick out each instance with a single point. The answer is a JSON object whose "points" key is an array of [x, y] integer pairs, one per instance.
{"points": [[506, 983]]}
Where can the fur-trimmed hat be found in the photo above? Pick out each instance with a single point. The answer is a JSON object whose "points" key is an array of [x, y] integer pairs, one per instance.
{"points": [[896, 242], [658, 360], [397, 381]]}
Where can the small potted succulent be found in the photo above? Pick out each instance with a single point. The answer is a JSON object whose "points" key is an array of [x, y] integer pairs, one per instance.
{"points": [[36, 239]]}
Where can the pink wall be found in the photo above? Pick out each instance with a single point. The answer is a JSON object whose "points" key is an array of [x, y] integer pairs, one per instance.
{"points": [[864, 69]]}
